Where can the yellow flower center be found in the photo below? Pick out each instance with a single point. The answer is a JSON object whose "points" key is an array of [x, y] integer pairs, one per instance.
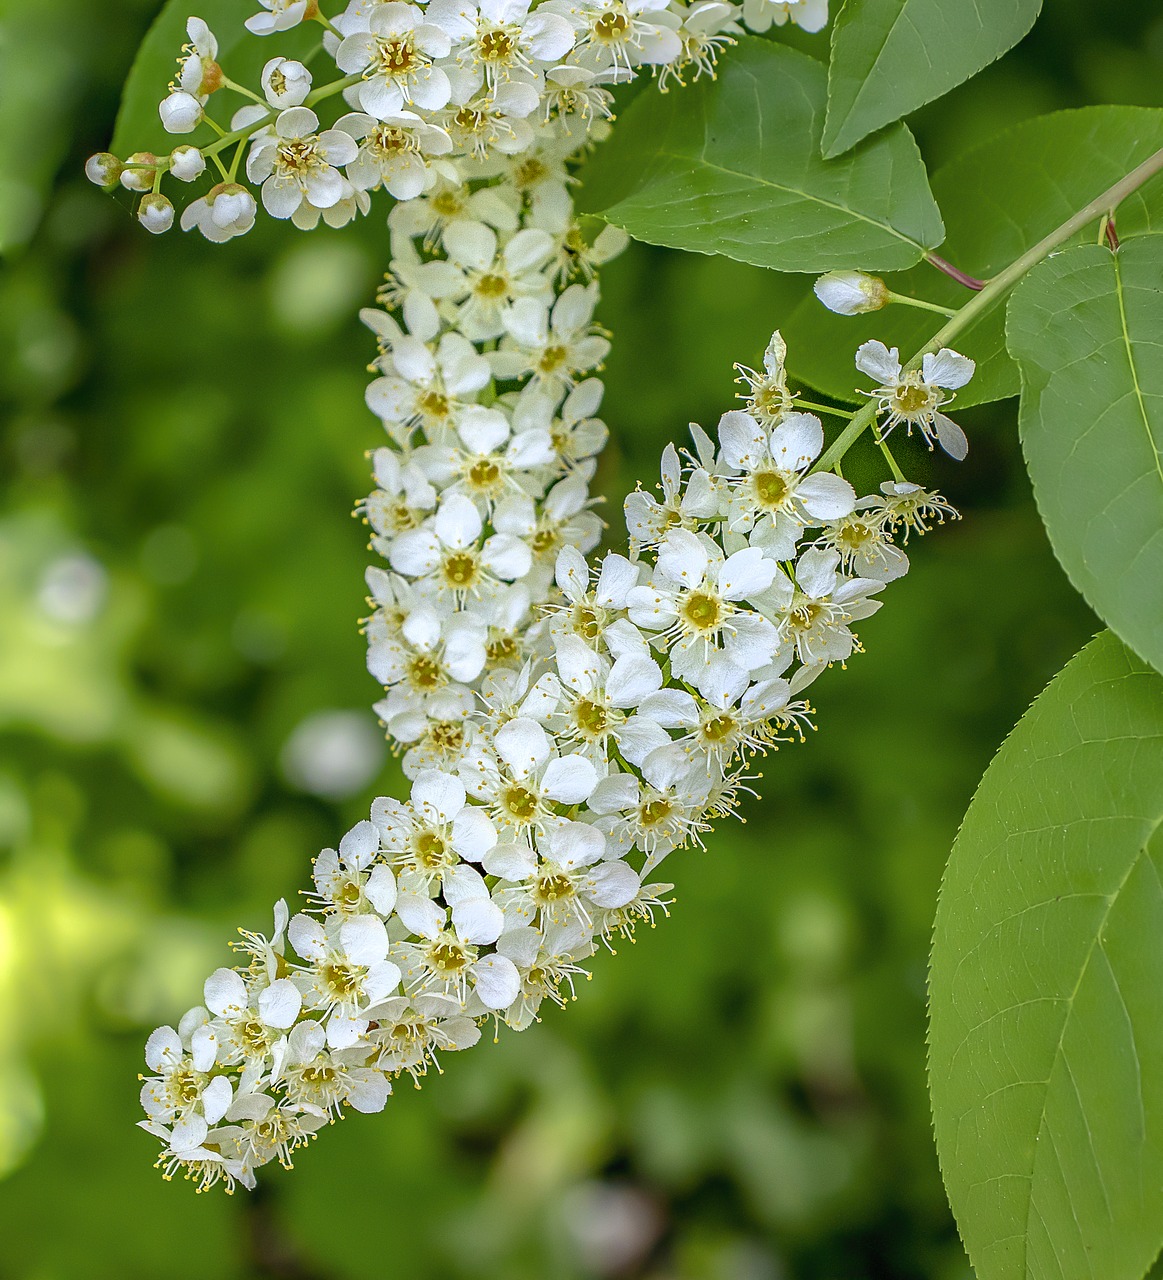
{"points": [[702, 611]]}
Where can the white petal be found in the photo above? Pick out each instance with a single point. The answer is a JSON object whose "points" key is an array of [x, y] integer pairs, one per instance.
{"points": [[478, 920], [875, 359], [364, 939], [742, 440], [498, 983], [225, 993], [380, 889], [797, 441], [360, 845], [473, 833], [306, 935], [438, 796], [523, 745], [577, 844], [422, 916], [947, 369], [570, 779], [279, 1004]]}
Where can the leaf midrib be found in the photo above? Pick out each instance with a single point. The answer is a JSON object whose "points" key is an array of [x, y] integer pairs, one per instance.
{"points": [[1129, 350]]}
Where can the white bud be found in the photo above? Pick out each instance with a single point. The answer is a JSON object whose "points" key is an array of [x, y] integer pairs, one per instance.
{"points": [[180, 112], [851, 293], [140, 178], [187, 163], [155, 213], [285, 82], [103, 169]]}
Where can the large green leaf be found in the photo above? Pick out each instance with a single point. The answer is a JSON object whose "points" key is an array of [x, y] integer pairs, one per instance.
{"points": [[999, 199], [732, 166], [891, 56], [241, 55], [1046, 986], [1086, 327]]}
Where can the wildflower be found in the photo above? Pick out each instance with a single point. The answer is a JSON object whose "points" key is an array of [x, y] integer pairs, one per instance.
{"points": [[851, 293], [915, 396], [295, 164], [227, 211], [285, 82]]}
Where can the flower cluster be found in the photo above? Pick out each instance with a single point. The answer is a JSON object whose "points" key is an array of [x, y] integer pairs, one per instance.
{"points": [[564, 729], [433, 91]]}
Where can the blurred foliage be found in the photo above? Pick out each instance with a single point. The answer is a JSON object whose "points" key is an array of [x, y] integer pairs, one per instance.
{"points": [[182, 724]]}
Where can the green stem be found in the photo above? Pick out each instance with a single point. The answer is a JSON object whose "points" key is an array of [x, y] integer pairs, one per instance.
{"points": [[996, 289], [317, 95], [920, 302], [823, 408]]}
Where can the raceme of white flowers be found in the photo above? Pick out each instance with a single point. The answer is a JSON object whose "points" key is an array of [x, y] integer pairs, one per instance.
{"points": [[564, 727], [431, 90]]}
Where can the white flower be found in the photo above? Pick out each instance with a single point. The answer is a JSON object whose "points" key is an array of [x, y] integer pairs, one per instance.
{"points": [[409, 1032], [500, 37], [429, 836], [768, 397], [810, 15], [620, 33], [553, 346], [816, 618], [180, 112], [428, 651], [594, 615], [657, 815], [249, 1020], [426, 387], [445, 559], [393, 153], [598, 699], [449, 958], [295, 164], [187, 163], [770, 492], [155, 213], [349, 881], [285, 82], [560, 883], [280, 15], [315, 1078], [693, 599], [347, 970], [851, 293], [526, 778], [227, 211], [198, 72], [182, 1087], [495, 278], [396, 54], [915, 396]]}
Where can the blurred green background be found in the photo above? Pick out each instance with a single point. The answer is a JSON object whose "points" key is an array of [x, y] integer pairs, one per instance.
{"points": [[184, 721]]}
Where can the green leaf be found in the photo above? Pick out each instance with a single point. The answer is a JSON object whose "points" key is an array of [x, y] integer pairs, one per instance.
{"points": [[732, 166], [999, 199], [1046, 986], [891, 56], [240, 54], [1086, 327]]}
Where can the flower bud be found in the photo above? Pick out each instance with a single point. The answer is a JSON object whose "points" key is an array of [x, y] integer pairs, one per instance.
{"points": [[285, 82], [187, 163], [180, 113], [103, 169], [138, 171], [851, 293], [155, 213]]}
